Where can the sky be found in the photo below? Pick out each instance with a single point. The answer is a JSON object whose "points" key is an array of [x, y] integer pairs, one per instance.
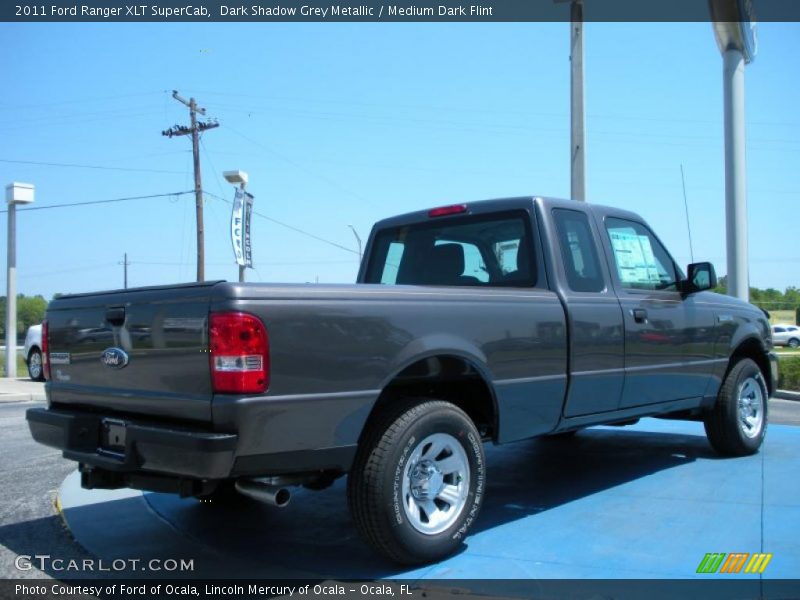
{"points": [[345, 124]]}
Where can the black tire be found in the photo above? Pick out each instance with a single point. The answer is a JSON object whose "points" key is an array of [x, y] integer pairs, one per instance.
{"points": [[383, 465], [35, 367], [793, 343], [727, 432]]}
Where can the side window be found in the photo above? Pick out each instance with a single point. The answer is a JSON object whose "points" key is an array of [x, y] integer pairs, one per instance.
{"points": [[578, 251], [778, 330], [642, 262], [393, 257]]}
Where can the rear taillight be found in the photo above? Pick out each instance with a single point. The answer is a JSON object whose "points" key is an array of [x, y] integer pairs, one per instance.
{"points": [[239, 349], [45, 349]]}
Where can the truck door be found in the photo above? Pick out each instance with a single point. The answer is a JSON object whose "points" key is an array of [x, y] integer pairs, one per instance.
{"points": [[596, 341], [667, 338]]}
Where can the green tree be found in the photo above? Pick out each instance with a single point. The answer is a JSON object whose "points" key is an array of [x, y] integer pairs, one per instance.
{"points": [[30, 311]]}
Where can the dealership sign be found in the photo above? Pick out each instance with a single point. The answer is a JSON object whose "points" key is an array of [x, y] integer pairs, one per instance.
{"points": [[240, 228]]}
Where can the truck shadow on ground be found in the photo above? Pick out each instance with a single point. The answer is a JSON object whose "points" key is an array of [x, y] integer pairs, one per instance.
{"points": [[315, 532], [315, 537], [537, 475]]}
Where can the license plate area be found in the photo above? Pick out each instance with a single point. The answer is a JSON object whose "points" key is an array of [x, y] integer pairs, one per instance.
{"points": [[112, 436]]}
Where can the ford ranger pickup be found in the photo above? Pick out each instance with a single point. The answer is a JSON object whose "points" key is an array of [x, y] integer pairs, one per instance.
{"points": [[490, 321]]}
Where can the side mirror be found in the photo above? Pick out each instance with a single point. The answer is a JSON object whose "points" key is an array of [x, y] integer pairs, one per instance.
{"points": [[701, 276]]}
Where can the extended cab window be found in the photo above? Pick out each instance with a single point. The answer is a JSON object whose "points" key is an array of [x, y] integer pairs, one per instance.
{"points": [[480, 250], [578, 251], [642, 262]]}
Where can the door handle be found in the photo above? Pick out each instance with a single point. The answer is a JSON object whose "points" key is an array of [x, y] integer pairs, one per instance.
{"points": [[639, 315]]}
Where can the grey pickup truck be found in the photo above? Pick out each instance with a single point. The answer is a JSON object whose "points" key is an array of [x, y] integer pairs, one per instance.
{"points": [[489, 321]]}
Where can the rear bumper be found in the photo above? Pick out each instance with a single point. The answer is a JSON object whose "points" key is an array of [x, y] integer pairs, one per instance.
{"points": [[156, 449]]}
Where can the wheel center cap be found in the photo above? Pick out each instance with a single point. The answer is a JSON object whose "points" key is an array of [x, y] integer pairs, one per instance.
{"points": [[426, 480]]}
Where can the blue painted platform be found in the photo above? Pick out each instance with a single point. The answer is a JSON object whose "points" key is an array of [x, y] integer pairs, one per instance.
{"points": [[639, 502]]}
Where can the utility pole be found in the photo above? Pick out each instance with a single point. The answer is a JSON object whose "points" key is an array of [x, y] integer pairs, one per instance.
{"points": [[196, 128], [125, 264], [577, 115]]}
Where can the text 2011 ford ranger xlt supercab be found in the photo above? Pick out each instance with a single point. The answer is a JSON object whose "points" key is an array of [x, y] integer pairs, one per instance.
{"points": [[497, 320]]}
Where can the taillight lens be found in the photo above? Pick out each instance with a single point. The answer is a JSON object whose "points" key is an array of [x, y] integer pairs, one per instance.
{"points": [[443, 211], [45, 349], [239, 349]]}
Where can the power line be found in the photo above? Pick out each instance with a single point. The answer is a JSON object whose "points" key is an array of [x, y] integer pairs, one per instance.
{"points": [[466, 109], [686, 207], [27, 274], [81, 166], [292, 227], [102, 201], [81, 100], [299, 166], [287, 263]]}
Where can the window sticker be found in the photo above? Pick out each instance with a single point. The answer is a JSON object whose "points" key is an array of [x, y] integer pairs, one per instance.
{"points": [[635, 259]]}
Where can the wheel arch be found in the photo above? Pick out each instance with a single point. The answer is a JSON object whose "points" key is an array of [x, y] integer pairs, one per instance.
{"points": [[753, 348], [452, 375]]}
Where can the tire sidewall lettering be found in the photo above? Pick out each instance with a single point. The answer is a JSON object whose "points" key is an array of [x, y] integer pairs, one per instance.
{"points": [[397, 482]]}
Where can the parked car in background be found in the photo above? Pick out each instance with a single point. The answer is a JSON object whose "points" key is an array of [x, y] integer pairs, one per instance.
{"points": [[786, 335], [33, 352]]}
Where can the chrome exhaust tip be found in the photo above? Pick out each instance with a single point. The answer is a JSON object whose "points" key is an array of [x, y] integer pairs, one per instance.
{"points": [[273, 495]]}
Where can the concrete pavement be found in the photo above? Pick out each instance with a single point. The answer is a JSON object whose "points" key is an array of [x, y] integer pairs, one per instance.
{"points": [[21, 389]]}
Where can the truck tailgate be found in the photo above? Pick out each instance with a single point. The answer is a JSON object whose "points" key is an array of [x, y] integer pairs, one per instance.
{"points": [[141, 351]]}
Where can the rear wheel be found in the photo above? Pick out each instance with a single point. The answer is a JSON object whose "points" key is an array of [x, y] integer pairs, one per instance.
{"points": [[737, 424], [418, 480], [794, 343], [35, 370]]}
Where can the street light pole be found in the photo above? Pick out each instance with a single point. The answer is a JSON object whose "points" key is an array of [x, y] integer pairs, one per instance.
{"points": [[577, 114], [242, 267], [240, 177], [736, 37], [16, 193], [735, 176], [358, 239]]}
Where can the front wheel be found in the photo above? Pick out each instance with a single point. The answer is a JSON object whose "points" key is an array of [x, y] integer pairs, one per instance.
{"points": [[35, 370], [737, 424], [418, 481]]}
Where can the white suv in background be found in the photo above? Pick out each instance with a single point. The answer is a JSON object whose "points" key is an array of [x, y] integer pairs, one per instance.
{"points": [[33, 352], [786, 335]]}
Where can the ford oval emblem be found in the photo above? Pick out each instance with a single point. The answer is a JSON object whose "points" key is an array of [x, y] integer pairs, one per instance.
{"points": [[114, 358]]}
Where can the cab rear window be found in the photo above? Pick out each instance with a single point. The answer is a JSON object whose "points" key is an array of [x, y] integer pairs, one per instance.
{"points": [[480, 250]]}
